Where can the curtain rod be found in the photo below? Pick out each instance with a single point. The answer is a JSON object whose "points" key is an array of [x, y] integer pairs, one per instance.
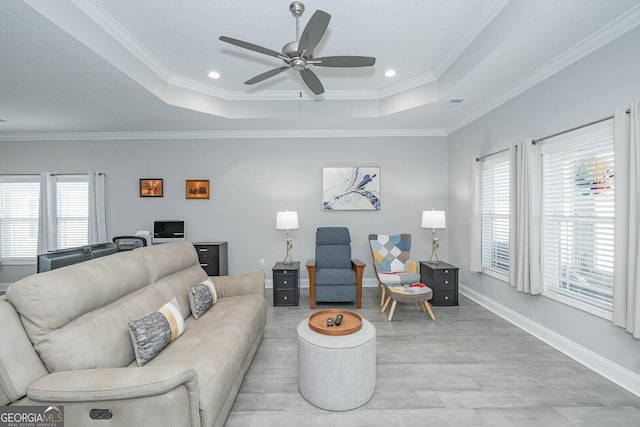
{"points": [[491, 154], [75, 174], [53, 174], [604, 119]]}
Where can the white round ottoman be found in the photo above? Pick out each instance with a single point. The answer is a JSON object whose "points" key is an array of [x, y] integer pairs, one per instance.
{"points": [[337, 373]]}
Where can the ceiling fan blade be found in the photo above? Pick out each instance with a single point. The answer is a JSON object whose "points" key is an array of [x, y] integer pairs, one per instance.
{"points": [[343, 61], [264, 76], [312, 81], [254, 47], [313, 32]]}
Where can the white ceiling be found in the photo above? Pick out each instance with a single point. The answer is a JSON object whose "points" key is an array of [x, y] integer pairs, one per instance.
{"points": [[140, 67]]}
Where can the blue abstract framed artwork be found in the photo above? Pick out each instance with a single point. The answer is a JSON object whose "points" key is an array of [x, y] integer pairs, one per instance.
{"points": [[351, 188]]}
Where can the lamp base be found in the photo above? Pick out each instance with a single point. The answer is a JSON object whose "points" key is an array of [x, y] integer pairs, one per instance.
{"points": [[287, 258], [434, 246]]}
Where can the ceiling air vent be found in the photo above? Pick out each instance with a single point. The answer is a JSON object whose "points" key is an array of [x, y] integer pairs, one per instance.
{"points": [[453, 102]]}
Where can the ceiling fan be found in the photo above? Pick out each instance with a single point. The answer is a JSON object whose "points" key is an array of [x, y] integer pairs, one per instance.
{"points": [[298, 54]]}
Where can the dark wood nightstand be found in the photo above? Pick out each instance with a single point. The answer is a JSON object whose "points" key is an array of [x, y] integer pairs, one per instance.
{"points": [[286, 286], [442, 278]]}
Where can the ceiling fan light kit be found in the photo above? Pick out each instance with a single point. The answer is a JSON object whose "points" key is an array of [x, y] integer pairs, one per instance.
{"points": [[298, 55]]}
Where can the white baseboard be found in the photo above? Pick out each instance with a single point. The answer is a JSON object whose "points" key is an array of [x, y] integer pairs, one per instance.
{"points": [[619, 375]]}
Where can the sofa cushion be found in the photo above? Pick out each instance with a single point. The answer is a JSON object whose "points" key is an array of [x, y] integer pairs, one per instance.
{"points": [[150, 334], [202, 297], [90, 329], [216, 346]]}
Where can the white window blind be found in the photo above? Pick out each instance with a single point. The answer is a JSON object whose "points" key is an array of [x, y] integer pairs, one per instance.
{"points": [[578, 211], [72, 218], [19, 209], [495, 213]]}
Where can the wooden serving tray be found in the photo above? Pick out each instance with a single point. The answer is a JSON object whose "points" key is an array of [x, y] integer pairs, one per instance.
{"points": [[351, 322]]}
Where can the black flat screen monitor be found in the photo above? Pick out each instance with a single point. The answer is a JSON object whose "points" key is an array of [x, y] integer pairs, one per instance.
{"points": [[168, 229]]}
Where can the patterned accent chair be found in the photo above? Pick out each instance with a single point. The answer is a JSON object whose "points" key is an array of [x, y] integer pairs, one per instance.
{"points": [[333, 275], [391, 260]]}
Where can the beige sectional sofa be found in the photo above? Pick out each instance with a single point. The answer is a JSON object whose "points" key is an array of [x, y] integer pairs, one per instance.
{"points": [[65, 341]]}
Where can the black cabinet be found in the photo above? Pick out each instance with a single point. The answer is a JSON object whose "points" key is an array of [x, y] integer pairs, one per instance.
{"points": [[213, 257], [286, 287], [442, 278]]}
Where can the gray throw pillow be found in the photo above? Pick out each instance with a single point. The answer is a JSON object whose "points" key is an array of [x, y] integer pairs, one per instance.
{"points": [[150, 334], [202, 297]]}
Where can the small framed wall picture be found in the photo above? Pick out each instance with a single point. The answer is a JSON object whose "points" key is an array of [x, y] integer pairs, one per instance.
{"points": [[197, 189], [151, 187]]}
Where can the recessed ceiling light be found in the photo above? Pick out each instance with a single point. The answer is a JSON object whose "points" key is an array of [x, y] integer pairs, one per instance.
{"points": [[214, 75], [390, 73]]}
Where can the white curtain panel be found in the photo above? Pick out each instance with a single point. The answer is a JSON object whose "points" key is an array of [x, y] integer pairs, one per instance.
{"points": [[525, 273], [97, 209], [513, 212], [626, 276], [475, 217], [47, 239]]}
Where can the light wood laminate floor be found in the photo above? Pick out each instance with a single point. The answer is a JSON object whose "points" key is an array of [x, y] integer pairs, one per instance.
{"points": [[468, 368]]}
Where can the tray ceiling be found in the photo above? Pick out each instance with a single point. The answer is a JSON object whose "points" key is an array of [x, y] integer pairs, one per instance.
{"points": [[120, 66]]}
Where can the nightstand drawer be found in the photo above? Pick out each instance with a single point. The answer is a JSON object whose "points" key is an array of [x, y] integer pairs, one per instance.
{"points": [[445, 298], [284, 280], [445, 282], [448, 274], [286, 297]]}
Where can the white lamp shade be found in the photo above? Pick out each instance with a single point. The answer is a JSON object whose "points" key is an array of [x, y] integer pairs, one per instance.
{"points": [[287, 220], [433, 219]]}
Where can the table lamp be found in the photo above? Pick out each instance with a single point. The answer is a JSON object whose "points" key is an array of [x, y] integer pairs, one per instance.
{"points": [[434, 219], [286, 220]]}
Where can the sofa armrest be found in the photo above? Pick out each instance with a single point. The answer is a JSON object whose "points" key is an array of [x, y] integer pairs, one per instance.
{"points": [[358, 266], [114, 384], [239, 284]]}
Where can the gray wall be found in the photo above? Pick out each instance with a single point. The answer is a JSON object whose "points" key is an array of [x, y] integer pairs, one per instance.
{"points": [[250, 181], [589, 89]]}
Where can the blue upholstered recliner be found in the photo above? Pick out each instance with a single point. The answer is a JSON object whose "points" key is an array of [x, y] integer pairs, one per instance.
{"points": [[333, 275]]}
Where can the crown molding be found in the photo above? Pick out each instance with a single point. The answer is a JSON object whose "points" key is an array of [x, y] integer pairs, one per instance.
{"points": [[108, 24], [407, 84], [454, 53], [606, 34], [231, 134]]}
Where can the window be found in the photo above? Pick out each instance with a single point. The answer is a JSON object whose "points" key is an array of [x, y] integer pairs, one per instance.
{"points": [[19, 208], [578, 208], [495, 214], [72, 206]]}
